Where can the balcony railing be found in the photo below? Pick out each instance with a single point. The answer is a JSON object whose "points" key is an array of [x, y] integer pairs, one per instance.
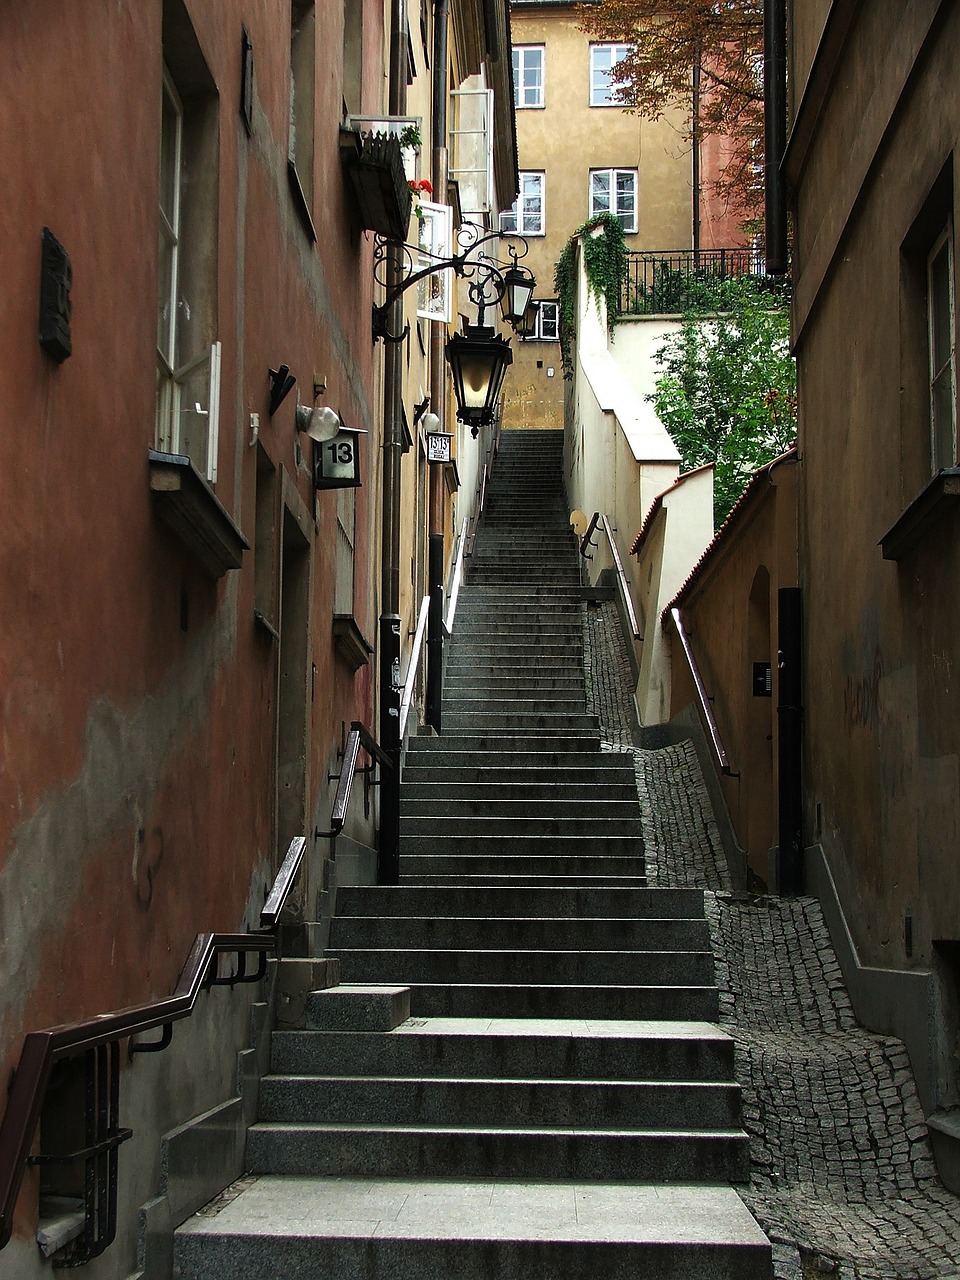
{"points": [[672, 281]]}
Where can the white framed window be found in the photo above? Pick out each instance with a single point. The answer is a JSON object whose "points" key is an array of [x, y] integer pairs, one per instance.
{"points": [[603, 58], [526, 218], [528, 60], [435, 292], [548, 322], [942, 351], [615, 191], [188, 364]]}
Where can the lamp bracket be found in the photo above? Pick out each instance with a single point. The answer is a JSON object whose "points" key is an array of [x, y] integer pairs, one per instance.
{"points": [[485, 274]]}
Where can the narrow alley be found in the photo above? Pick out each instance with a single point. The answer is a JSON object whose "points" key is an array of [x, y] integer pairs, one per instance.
{"points": [[538, 1089]]}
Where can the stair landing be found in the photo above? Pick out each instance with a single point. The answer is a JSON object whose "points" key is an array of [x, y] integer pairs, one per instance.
{"points": [[279, 1228]]}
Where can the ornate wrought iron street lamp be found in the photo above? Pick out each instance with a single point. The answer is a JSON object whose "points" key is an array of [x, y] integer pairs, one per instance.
{"points": [[479, 357]]}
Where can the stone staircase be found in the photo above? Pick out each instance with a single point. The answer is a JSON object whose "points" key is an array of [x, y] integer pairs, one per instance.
{"points": [[520, 1077]]}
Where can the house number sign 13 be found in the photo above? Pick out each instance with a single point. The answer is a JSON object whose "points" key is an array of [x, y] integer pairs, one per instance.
{"points": [[336, 462]]}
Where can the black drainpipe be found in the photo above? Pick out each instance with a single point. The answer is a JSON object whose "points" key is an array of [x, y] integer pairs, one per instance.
{"points": [[790, 739], [437, 385]]}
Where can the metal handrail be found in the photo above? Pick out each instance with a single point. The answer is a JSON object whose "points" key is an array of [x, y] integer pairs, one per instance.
{"points": [[623, 582], [482, 485], [414, 663], [703, 697], [41, 1049], [457, 580], [359, 737]]}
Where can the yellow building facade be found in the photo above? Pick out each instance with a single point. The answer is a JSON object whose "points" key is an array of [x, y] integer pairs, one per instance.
{"points": [[580, 153]]}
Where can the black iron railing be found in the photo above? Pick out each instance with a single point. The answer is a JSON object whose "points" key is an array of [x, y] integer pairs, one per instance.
{"points": [[672, 281], [97, 1042]]}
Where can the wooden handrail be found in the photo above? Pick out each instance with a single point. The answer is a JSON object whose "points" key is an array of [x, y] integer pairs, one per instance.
{"points": [[703, 698], [411, 678], [41, 1049]]}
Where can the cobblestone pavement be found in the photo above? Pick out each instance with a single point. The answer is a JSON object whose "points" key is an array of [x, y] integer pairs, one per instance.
{"points": [[843, 1179]]}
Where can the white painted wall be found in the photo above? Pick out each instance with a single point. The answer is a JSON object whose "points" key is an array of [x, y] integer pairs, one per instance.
{"points": [[618, 458]]}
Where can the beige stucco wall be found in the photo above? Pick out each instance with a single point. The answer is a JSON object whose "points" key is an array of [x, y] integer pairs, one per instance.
{"points": [[730, 614], [882, 676], [566, 139]]}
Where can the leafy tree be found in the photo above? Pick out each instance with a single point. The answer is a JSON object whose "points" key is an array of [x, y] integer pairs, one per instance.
{"points": [[728, 392], [723, 37]]}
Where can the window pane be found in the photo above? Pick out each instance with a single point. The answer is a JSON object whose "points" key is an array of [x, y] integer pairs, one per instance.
{"points": [[194, 416], [944, 449], [508, 220], [169, 148], [549, 321], [940, 309], [600, 191], [165, 294]]}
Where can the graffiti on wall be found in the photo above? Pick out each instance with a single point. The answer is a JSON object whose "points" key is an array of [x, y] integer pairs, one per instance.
{"points": [[861, 696]]}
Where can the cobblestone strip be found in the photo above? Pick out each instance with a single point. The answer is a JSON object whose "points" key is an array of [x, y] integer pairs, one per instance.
{"points": [[843, 1179]]}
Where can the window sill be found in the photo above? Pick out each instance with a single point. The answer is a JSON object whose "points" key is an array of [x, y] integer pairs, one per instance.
{"points": [[188, 506], [934, 501], [350, 641]]}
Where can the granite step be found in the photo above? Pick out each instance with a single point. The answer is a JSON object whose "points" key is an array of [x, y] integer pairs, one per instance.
{"points": [[343, 1228]]}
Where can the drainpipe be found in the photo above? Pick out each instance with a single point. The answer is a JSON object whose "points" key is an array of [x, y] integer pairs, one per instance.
{"points": [[775, 134], [696, 162], [388, 848], [790, 741], [438, 397]]}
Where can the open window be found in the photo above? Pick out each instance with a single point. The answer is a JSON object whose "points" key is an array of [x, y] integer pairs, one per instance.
{"points": [[188, 354]]}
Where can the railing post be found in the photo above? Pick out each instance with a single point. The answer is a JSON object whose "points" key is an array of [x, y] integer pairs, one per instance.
{"points": [[435, 632]]}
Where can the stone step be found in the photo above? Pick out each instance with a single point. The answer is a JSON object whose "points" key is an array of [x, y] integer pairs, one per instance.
{"points": [[408, 966], [341, 1228], [414, 793], [483, 1048], [560, 852], [652, 903], [484, 826], [464, 683], [490, 774], [507, 744], [493, 800], [460, 707], [499, 1103], [425, 873], [524, 933], [551, 723], [522, 1001], [387, 1150]]}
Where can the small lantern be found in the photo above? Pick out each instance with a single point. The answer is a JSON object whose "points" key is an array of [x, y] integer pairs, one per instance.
{"points": [[336, 462], [518, 287], [478, 360]]}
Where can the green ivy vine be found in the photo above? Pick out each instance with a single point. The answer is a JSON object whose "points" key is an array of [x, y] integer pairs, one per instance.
{"points": [[605, 266]]}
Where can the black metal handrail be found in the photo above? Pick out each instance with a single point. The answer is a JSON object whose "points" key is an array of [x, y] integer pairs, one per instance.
{"points": [[623, 582], [671, 281], [359, 738], [703, 698], [98, 1038]]}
